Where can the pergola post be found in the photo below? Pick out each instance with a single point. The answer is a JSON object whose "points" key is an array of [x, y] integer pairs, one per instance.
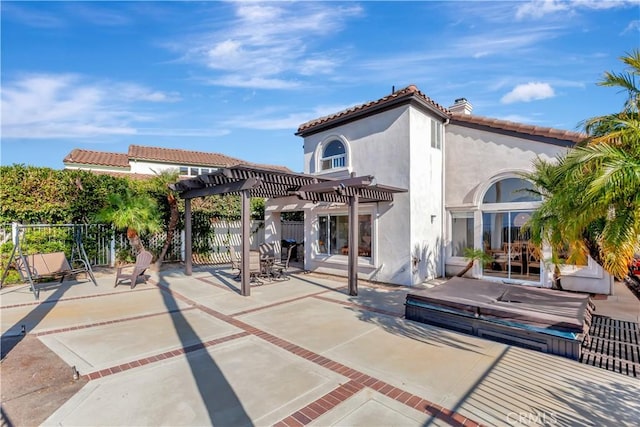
{"points": [[188, 261], [245, 288], [353, 244]]}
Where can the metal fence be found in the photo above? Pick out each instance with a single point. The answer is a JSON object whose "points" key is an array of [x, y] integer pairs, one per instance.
{"points": [[104, 245], [96, 239]]}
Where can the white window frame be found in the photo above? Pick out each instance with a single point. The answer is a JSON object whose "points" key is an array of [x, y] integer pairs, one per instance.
{"points": [[436, 134], [339, 162], [343, 259], [468, 214]]}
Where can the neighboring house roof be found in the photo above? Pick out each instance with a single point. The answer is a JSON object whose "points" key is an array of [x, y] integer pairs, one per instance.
{"points": [[98, 158], [183, 157], [508, 127], [413, 94], [158, 154], [403, 96]]}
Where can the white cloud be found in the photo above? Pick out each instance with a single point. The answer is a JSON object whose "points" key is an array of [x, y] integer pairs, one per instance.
{"points": [[253, 82], [68, 106], [29, 16], [633, 27], [537, 9], [528, 92], [271, 46], [274, 120]]}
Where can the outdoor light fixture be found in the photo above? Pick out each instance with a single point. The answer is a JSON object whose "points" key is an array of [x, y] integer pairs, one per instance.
{"points": [[433, 218]]}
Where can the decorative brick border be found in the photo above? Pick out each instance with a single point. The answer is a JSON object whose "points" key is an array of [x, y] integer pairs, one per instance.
{"points": [[326, 403], [360, 306], [358, 380], [107, 322], [162, 356], [275, 304], [27, 304]]}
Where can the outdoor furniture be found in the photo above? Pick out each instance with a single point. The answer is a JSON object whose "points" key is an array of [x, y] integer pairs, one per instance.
{"points": [[256, 268], [36, 267], [277, 269], [533, 258], [133, 272], [235, 261], [541, 319], [267, 250]]}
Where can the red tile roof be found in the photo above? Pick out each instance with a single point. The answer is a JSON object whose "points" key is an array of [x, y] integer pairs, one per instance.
{"points": [[159, 154], [505, 125], [412, 92], [398, 97], [99, 158], [183, 157]]}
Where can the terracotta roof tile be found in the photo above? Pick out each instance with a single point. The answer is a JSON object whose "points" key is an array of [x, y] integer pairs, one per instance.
{"points": [[168, 155], [184, 157], [522, 128], [263, 166], [412, 91], [407, 94], [99, 158]]}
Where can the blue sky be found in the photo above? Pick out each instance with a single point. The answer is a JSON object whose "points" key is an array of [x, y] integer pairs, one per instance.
{"points": [[239, 77]]}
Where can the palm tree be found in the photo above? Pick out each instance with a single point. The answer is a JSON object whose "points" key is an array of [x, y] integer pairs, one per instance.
{"points": [[472, 255], [160, 183], [592, 194], [137, 213]]}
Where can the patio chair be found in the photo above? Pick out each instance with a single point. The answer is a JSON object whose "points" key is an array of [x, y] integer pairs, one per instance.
{"points": [[235, 261], [533, 259], [256, 270], [133, 272], [278, 268]]}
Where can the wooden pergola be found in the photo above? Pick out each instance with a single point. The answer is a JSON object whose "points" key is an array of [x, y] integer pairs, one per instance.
{"points": [[249, 181]]}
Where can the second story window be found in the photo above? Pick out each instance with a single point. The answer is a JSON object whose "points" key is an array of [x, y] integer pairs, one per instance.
{"points": [[334, 156], [436, 134]]}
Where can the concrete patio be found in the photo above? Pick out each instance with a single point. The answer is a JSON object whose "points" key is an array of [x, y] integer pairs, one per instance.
{"points": [[189, 350]]}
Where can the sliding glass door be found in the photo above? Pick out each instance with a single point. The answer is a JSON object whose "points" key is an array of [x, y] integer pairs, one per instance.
{"points": [[508, 244]]}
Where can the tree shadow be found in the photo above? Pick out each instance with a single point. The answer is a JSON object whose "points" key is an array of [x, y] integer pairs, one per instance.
{"points": [[223, 405], [385, 309]]}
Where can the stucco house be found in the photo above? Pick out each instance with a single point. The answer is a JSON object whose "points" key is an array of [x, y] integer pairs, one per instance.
{"points": [[462, 173], [143, 161]]}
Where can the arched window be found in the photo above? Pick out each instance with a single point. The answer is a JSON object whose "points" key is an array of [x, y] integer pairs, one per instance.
{"points": [[334, 155], [511, 190]]}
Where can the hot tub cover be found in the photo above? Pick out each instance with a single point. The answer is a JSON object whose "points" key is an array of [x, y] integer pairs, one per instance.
{"points": [[527, 305]]}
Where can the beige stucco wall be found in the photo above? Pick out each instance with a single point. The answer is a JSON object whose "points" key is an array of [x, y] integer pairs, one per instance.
{"points": [[474, 159], [394, 146]]}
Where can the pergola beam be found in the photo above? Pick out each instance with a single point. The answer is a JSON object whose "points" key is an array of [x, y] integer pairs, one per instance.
{"points": [[247, 181], [338, 184], [229, 187]]}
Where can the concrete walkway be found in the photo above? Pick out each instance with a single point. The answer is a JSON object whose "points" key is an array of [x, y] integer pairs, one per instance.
{"points": [[191, 351]]}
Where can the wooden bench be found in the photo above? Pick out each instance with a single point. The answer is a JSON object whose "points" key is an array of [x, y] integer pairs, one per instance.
{"points": [[36, 267]]}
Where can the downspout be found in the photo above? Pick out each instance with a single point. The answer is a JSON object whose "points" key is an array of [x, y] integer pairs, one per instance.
{"points": [[443, 256]]}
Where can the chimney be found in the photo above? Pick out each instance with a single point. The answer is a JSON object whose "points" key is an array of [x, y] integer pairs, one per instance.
{"points": [[461, 106]]}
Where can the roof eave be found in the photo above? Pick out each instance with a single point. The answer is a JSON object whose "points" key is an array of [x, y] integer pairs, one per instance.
{"points": [[562, 142], [409, 99]]}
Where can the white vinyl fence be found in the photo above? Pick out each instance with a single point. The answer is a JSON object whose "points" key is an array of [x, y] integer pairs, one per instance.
{"points": [[293, 230]]}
